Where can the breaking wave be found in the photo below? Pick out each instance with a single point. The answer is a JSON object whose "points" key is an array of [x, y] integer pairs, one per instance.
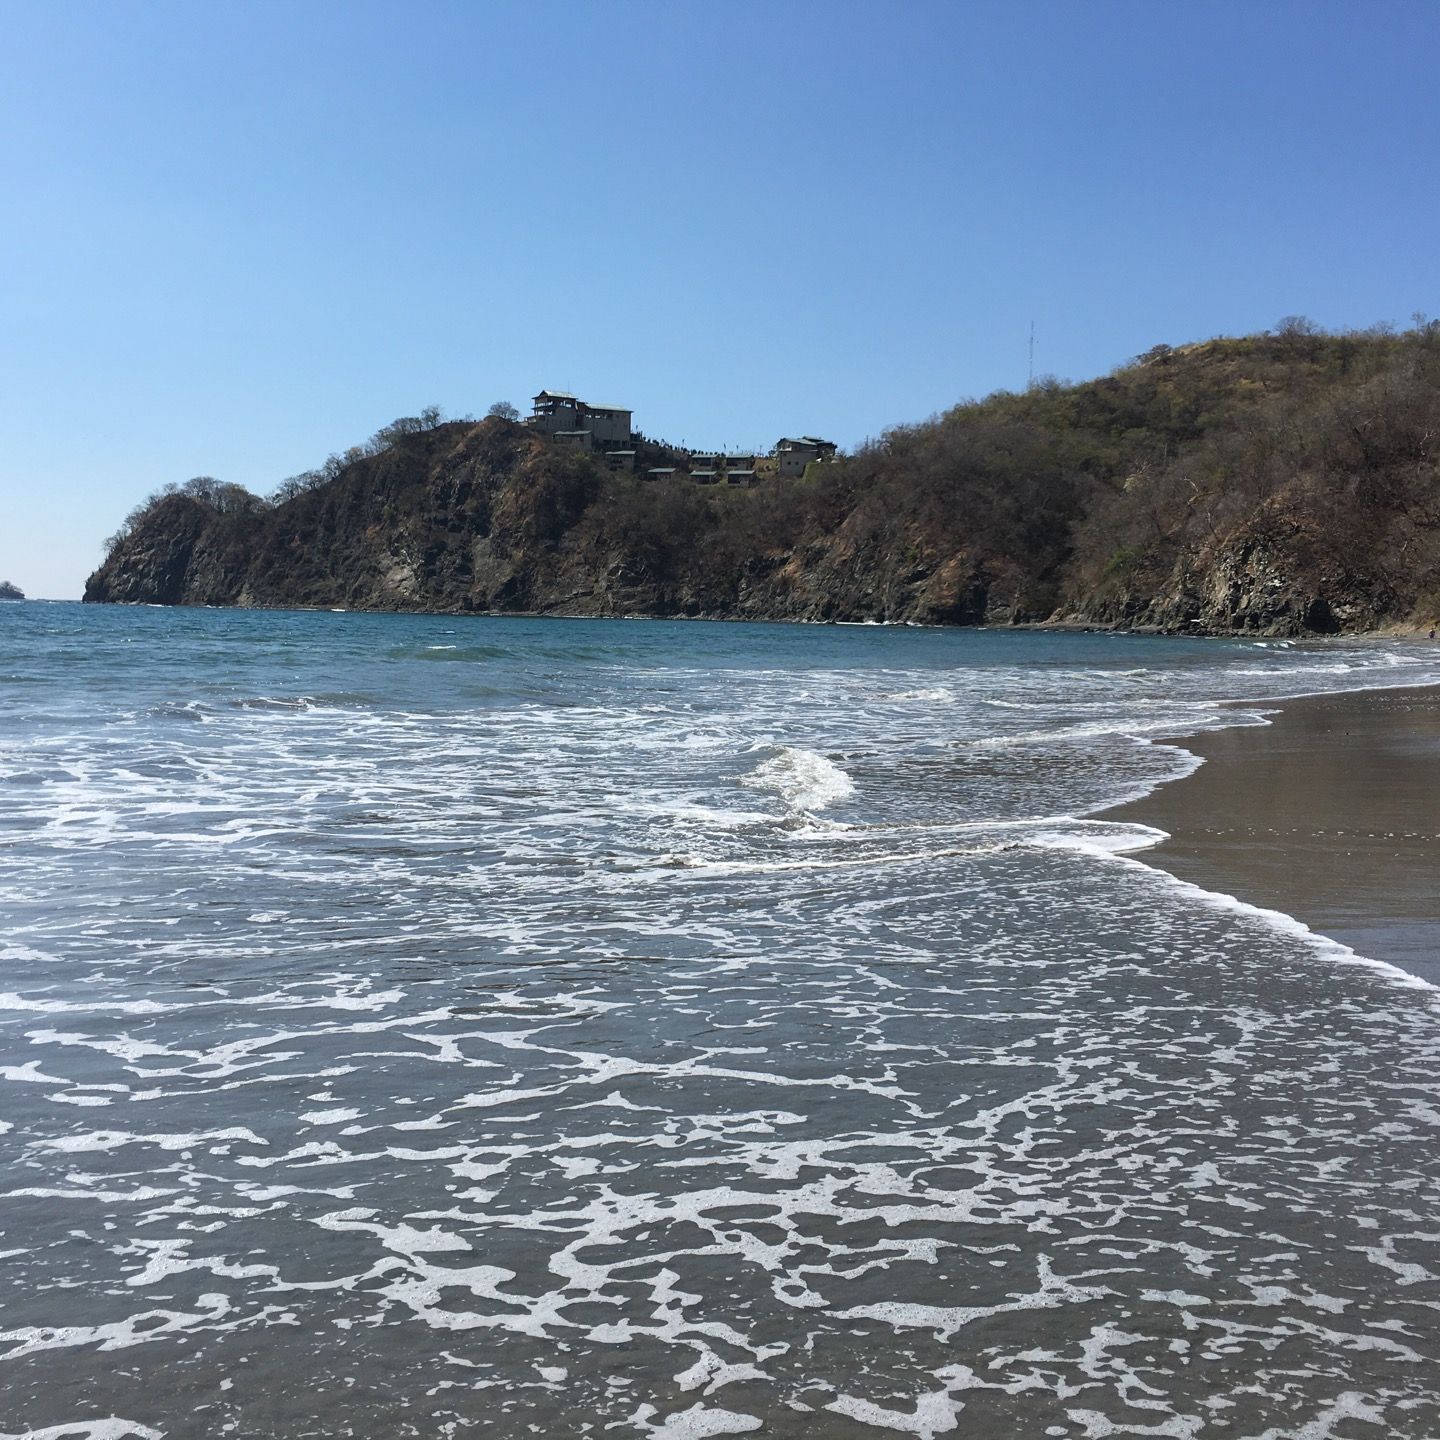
{"points": [[804, 779]]}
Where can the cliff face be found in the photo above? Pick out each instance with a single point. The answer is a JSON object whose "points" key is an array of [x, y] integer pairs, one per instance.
{"points": [[1277, 485], [154, 564], [490, 517]]}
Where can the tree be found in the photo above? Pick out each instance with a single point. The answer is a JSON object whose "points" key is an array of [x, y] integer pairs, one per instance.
{"points": [[503, 410], [394, 433], [223, 498], [216, 495], [295, 485]]}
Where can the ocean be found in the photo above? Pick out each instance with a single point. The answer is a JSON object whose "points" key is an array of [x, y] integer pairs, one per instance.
{"points": [[423, 1026]]}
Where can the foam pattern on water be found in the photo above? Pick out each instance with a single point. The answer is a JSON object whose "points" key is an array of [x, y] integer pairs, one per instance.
{"points": [[667, 1049]]}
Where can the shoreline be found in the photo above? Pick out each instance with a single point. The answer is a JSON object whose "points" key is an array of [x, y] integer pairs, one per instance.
{"points": [[1393, 630], [1328, 814]]}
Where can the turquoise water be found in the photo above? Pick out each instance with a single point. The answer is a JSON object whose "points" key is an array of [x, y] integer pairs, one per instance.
{"points": [[417, 1026]]}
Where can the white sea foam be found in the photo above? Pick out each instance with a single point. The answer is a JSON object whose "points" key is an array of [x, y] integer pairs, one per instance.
{"points": [[699, 1422], [99, 1140], [929, 692], [641, 1085], [937, 1413], [50, 1006], [111, 1428], [804, 779], [1125, 726], [871, 860]]}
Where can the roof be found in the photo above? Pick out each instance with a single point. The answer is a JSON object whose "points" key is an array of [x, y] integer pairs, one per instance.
{"points": [[576, 400]]}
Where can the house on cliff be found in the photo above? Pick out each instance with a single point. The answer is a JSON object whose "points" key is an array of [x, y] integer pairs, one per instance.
{"points": [[720, 468], [793, 454], [608, 431], [569, 420]]}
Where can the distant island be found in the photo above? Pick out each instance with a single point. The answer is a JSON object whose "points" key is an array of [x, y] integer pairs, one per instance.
{"points": [[1283, 483], [10, 592]]}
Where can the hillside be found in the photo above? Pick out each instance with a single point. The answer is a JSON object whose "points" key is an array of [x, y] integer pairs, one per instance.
{"points": [[1279, 483]]}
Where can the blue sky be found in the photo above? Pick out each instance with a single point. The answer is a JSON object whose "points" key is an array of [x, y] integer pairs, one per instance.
{"points": [[239, 237]]}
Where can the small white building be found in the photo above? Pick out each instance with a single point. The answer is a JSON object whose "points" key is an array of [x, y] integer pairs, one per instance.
{"points": [[794, 453]]}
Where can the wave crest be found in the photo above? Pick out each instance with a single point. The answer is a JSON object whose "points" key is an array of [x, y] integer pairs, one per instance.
{"points": [[804, 779]]}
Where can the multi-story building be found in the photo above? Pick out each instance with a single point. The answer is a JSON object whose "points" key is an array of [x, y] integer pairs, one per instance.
{"points": [[707, 468], [568, 420], [717, 468], [794, 454]]}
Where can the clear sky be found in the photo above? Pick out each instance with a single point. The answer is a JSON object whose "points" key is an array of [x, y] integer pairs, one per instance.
{"points": [[238, 237]]}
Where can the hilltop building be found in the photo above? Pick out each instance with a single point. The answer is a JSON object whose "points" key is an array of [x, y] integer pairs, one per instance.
{"points": [[607, 430], [568, 420], [712, 467], [793, 454]]}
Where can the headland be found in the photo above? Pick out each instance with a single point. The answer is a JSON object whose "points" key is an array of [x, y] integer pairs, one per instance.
{"points": [[1277, 484]]}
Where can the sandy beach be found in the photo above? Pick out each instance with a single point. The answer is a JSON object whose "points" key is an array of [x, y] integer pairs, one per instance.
{"points": [[1331, 814]]}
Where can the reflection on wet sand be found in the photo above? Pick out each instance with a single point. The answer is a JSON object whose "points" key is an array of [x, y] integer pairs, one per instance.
{"points": [[1331, 814]]}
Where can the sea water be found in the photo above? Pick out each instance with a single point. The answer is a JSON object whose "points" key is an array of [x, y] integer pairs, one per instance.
{"points": [[421, 1026]]}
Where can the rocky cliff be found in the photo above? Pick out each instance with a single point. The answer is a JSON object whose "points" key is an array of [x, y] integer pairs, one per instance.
{"points": [[1275, 484]]}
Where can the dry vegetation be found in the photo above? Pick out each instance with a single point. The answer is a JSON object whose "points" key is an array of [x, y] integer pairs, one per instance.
{"points": [[1285, 481]]}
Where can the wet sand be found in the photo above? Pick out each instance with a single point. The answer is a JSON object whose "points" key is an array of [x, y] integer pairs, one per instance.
{"points": [[1330, 814]]}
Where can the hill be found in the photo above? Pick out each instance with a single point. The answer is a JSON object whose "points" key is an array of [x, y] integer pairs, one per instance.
{"points": [[1279, 483]]}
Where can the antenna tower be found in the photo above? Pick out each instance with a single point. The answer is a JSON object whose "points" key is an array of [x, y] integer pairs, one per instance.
{"points": [[1030, 383]]}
